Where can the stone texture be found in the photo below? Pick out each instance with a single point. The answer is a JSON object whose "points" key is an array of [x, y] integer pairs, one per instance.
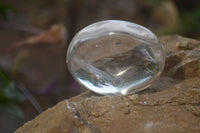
{"points": [[182, 57], [171, 104]]}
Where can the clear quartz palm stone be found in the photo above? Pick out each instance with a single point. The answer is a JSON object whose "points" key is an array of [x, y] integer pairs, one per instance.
{"points": [[115, 57]]}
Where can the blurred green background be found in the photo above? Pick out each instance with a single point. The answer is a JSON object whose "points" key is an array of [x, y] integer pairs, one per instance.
{"points": [[34, 78]]}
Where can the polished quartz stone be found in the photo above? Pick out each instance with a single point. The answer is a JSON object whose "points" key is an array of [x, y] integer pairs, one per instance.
{"points": [[115, 57]]}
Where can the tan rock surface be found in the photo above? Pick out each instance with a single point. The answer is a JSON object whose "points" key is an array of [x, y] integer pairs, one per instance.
{"points": [[170, 105]]}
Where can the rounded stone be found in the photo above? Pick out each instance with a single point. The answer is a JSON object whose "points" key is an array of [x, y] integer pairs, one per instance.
{"points": [[115, 57]]}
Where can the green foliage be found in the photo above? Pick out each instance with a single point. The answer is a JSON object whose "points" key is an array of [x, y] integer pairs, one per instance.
{"points": [[5, 10], [10, 96], [190, 21]]}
